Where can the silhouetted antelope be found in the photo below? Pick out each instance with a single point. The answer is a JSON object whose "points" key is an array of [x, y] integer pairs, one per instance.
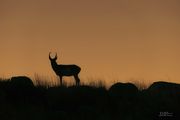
{"points": [[65, 70]]}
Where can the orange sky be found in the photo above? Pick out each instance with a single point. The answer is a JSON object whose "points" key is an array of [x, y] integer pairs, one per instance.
{"points": [[110, 39]]}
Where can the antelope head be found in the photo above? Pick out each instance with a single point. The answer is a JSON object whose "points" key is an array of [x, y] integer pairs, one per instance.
{"points": [[52, 59]]}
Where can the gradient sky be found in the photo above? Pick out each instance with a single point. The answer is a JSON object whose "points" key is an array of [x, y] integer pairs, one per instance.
{"points": [[110, 39]]}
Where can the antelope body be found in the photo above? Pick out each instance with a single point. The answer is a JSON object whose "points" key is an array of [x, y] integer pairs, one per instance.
{"points": [[65, 70]]}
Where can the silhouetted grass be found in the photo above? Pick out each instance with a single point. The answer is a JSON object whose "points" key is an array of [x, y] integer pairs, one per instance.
{"points": [[20, 99]]}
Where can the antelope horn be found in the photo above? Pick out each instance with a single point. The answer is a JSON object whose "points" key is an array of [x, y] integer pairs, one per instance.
{"points": [[50, 55], [55, 56]]}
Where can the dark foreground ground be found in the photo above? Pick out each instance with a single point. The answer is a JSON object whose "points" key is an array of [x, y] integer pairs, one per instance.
{"points": [[21, 100]]}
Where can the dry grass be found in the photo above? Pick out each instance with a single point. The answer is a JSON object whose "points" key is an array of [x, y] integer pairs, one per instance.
{"points": [[51, 81]]}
